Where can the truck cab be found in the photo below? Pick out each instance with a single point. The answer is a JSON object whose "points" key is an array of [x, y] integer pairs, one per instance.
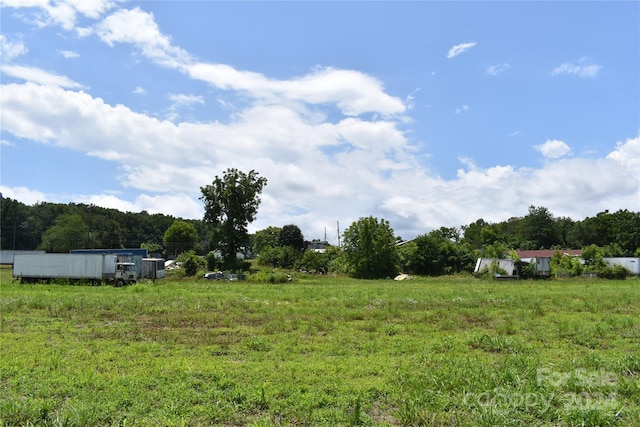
{"points": [[125, 273]]}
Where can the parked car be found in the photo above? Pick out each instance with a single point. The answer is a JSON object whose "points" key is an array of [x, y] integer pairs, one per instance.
{"points": [[217, 275]]}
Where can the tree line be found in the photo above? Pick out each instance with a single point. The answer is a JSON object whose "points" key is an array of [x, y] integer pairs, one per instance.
{"points": [[370, 247]]}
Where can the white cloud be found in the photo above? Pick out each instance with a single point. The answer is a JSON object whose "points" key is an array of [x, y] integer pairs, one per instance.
{"points": [[139, 90], [69, 54], [581, 69], [37, 75], [351, 91], [494, 70], [318, 172], [553, 149], [10, 49], [180, 100], [139, 28], [6, 143], [628, 154], [460, 48], [23, 194], [62, 12], [462, 109]]}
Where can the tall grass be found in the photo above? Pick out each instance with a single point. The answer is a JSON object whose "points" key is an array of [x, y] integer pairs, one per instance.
{"points": [[321, 351]]}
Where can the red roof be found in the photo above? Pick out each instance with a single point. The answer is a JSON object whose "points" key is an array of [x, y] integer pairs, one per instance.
{"points": [[548, 253]]}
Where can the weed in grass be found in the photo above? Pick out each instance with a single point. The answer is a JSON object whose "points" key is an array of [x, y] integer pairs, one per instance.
{"points": [[354, 416], [538, 309], [257, 344], [495, 344]]}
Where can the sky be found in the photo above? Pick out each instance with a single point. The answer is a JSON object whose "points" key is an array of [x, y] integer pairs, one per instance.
{"points": [[426, 114]]}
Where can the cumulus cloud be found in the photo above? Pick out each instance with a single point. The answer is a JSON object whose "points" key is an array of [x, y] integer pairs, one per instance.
{"points": [[37, 75], [460, 48], [24, 194], [627, 153], [583, 68], [136, 27], [462, 109], [351, 91], [553, 149], [319, 170]]}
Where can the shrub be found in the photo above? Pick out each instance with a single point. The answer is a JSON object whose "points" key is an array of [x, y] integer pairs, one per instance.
{"points": [[269, 277], [280, 256], [617, 272], [191, 263]]}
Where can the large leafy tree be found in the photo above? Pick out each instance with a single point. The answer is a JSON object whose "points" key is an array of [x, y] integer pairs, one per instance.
{"points": [[68, 232], [230, 204], [370, 249], [264, 238], [291, 235], [538, 229], [180, 237]]}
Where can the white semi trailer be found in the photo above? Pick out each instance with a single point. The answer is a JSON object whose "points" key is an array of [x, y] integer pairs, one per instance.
{"points": [[92, 268]]}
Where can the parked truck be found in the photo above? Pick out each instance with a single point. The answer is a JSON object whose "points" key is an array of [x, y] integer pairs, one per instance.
{"points": [[92, 268]]}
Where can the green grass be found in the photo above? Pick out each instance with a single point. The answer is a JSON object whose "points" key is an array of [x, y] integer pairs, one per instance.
{"points": [[321, 351]]}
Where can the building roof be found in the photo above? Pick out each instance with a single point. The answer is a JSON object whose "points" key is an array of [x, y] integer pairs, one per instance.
{"points": [[548, 253]]}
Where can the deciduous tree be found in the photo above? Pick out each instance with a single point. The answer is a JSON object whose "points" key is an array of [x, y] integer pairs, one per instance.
{"points": [[230, 204], [180, 237], [370, 249]]}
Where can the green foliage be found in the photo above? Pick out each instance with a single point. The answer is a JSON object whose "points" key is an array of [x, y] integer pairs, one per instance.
{"points": [[22, 226], [212, 262], [495, 250], [291, 235], [267, 237], [370, 249], [269, 277], [152, 247], [280, 256], [230, 204], [565, 265], [493, 270], [69, 232], [527, 270], [617, 272], [437, 253], [180, 237], [319, 262], [538, 229], [191, 263]]}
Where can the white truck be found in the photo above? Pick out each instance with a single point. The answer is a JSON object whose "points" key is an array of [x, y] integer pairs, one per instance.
{"points": [[92, 268]]}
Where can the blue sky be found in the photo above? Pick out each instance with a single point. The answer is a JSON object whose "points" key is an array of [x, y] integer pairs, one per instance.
{"points": [[426, 114]]}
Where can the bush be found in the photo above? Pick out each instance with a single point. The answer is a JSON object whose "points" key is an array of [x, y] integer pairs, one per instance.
{"points": [[492, 270], [527, 270], [212, 262], [191, 263], [269, 277], [280, 256], [617, 272]]}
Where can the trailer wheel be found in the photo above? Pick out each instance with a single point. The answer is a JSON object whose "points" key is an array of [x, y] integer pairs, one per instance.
{"points": [[95, 282]]}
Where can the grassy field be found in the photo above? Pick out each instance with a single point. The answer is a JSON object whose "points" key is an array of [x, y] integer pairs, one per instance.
{"points": [[321, 351]]}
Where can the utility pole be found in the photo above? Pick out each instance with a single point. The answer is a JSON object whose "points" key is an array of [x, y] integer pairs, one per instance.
{"points": [[338, 222]]}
